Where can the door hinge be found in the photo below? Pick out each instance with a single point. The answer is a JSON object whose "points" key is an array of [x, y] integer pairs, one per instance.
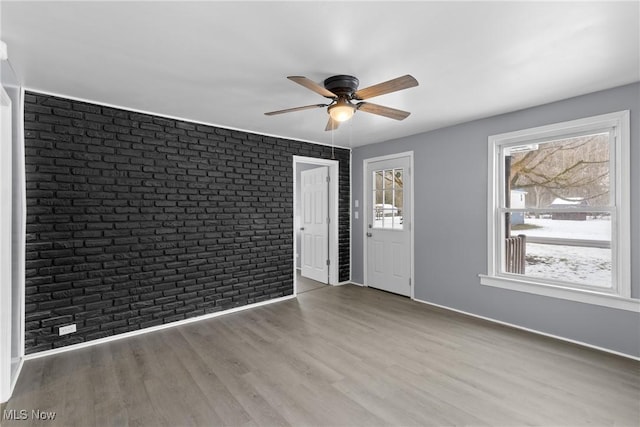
{"points": [[409, 281], [328, 178], [328, 220], [328, 262]]}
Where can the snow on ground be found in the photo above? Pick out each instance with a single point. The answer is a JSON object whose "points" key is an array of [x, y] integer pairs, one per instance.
{"points": [[585, 265], [590, 266], [591, 229]]}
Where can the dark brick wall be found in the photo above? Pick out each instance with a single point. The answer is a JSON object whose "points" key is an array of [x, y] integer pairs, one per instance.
{"points": [[135, 220]]}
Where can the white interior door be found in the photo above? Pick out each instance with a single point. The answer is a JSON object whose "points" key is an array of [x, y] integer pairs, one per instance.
{"points": [[388, 233], [314, 224], [5, 246]]}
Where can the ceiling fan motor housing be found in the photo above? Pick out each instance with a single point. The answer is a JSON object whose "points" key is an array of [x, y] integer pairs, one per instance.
{"points": [[342, 85]]}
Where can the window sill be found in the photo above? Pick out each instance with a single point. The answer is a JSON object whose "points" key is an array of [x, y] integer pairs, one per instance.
{"points": [[577, 295]]}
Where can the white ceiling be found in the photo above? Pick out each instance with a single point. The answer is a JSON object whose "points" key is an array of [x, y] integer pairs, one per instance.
{"points": [[226, 63]]}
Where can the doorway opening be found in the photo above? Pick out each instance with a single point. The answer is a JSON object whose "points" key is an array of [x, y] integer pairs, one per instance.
{"points": [[315, 225]]}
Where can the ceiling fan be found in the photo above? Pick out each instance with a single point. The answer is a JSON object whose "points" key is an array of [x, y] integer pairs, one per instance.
{"points": [[343, 90]]}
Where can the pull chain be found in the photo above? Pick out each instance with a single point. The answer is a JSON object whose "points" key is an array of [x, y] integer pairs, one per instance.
{"points": [[333, 152], [350, 133]]}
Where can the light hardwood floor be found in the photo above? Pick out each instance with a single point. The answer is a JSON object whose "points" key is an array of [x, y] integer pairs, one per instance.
{"points": [[306, 285], [336, 356]]}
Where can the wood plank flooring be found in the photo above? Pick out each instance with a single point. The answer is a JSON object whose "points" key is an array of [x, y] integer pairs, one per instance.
{"points": [[305, 284], [336, 356]]}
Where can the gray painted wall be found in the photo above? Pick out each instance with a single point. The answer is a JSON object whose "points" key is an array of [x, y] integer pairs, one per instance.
{"points": [[451, 162]]}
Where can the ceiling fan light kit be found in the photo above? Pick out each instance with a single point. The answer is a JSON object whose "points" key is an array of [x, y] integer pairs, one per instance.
{"points": [[342, 89], [342, 110]]}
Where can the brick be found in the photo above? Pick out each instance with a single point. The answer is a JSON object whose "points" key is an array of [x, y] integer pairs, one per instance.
{"points": [[51, 101], [52, 304], [86, 107], [98, 118], [98, 320]]}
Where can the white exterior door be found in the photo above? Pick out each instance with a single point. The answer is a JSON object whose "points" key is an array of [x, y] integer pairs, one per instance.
{"points": [[314, 224], [388, 232]]}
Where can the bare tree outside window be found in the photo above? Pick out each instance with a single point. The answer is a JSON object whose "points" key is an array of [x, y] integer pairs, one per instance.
{"points": [[568, 169]]}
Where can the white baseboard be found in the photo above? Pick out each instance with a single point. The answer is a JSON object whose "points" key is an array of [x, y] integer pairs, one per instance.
{"points": [[346, 282], [15, 378], [534, 331], [152, 329], [14, 381], [351, 282]]}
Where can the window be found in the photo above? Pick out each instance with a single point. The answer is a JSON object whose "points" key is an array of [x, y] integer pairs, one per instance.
{"points": [[558, 214], [388, 198]]}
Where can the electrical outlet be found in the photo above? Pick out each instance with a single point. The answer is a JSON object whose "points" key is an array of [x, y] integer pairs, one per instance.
{"points": [[69, 329]]}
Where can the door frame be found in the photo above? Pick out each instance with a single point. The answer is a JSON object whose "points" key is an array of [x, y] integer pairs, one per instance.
{"points": [[6, 314], [365, 213], [332, 210], [14, 94]]}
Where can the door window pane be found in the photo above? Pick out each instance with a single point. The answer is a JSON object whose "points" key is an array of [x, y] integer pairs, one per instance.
{"points": [[388, 199]]}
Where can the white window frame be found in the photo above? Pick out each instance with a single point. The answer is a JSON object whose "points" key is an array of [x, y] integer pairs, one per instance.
{"points": [[619, 296]]}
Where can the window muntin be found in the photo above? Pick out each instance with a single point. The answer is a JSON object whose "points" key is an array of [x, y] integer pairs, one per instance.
{"points": [[614, 216], [388, 197]]}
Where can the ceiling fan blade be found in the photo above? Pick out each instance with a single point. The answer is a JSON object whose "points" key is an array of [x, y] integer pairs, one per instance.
{"points": [[404, 82], [290, 110], [380, 110], [310, 84], [332, 125]]}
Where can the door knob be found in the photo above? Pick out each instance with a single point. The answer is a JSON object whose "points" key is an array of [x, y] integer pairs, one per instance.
{"points": [[301, 228], [369, 234]]}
